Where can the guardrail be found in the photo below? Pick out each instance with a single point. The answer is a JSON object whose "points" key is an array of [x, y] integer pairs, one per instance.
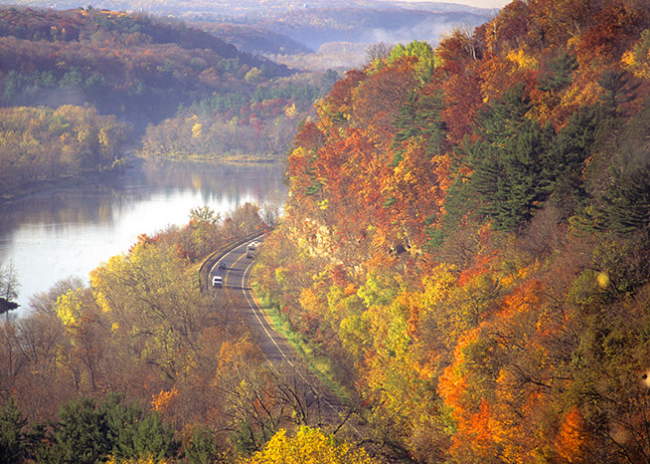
{"points": [[210, 261]]}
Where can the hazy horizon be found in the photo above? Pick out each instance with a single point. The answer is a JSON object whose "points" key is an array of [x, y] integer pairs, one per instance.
{"points": [[472, 3]]}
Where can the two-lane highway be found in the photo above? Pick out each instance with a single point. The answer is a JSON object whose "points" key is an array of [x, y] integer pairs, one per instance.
{"points": [[234, 267]]}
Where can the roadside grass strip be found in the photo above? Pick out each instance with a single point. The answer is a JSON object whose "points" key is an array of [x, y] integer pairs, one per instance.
{"points": [[316, 362]]}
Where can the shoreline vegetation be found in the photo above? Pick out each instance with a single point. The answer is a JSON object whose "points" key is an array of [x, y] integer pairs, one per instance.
{"points": [[216, 159], [40, 144], [52, 185], [122, 165]]}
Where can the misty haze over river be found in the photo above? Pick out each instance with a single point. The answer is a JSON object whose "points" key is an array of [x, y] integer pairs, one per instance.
{"points": [[69, 231]]}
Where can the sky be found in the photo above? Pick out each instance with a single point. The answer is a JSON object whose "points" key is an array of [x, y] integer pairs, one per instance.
{"points": [[484, 3], [475, 3]]}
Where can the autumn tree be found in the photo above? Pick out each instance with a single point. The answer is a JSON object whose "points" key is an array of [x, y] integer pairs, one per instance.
{"points": [[9, 286], [308, 445], [153, 304]]}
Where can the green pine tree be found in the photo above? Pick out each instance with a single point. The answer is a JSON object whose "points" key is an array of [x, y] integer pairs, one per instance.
{"points": [[508, 158], [565, 161], [561, 68], [202, 448], [12, 440]]}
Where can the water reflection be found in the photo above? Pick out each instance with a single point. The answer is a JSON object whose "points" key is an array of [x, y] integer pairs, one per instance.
{"points": [[69, 231]]}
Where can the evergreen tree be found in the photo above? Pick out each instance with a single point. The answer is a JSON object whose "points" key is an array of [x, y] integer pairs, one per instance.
{"points": [[154, 438], [509, 161], [420, 116], [618, 90], [86, 434], [12, 443], [626, 203], [565, 161], [122, 420], [329, 78], [83, 432], [559, 77], [202, 448]]}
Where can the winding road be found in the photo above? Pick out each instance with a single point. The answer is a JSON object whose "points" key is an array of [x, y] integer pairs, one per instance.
{"points": [[235, 273], [234, 266]]}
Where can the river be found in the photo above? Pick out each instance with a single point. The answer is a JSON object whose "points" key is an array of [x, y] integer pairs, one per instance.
{"points": [[68, 232]]}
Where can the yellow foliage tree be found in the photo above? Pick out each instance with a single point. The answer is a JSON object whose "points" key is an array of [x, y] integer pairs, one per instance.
{"points": [[291, 111], [254, 75], [197, 130], [637, 60], [148, 293], [69, 308], [309, 446]]}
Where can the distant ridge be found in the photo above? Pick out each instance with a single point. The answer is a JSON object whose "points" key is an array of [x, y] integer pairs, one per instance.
{"points": [[253, 39], [249, 8]]}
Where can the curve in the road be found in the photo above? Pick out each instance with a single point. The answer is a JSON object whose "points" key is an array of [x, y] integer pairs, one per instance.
{"points": [[274, 346], [236, 277]]}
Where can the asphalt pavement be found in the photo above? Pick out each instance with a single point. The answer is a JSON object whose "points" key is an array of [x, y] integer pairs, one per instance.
{"points": [[234, 267]]}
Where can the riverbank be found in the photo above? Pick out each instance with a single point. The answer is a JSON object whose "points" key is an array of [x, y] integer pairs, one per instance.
{"points": [[71, 228], [102, 174], [217, 159]]}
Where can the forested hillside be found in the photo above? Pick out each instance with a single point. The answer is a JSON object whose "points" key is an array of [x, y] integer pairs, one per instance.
{"points": [[123, 64], [253, 39], [467, 238], [187, 92], [237, 9]]}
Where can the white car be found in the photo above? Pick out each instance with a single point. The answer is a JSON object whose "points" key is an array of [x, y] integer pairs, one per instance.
{"points": [[217, 281], [251, 249]]}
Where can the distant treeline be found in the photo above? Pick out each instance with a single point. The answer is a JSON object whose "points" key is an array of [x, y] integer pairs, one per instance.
{"points": [[260, 125], [253, 39], [42, 144], [154, 75]]}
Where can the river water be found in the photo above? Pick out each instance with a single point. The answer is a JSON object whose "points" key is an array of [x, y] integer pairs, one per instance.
{"points": [[67, 232]]}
